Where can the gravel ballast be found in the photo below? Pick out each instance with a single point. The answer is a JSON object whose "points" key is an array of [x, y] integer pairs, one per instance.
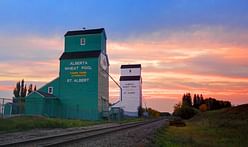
{"points": [[138, 136]]}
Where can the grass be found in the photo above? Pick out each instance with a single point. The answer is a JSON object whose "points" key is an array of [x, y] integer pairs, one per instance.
{"points": [[226, 127], [21, 123], [128, 120]]}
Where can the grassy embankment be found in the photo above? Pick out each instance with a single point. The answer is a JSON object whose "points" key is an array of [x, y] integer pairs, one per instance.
{"points": [[226, 127], [28, 122]]}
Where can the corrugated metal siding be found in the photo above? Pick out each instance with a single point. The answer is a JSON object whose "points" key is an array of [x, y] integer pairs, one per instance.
{"points": [[131, 95], [103, 90]]}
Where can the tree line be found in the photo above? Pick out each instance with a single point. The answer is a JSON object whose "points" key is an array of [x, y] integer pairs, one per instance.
{"points": [[21, 89], [199, 101], [188, 107], [148, 112]]}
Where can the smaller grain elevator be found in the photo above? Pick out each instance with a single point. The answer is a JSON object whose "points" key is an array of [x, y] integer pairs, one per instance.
{"points": [[131, 84]]}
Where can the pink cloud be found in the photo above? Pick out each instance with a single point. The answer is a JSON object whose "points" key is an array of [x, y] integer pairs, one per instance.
{"points": [[202, 59], [206, 60], [31, 42]]}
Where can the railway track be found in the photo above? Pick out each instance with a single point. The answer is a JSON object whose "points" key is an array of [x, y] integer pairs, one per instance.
{"points": [[71, 137]]}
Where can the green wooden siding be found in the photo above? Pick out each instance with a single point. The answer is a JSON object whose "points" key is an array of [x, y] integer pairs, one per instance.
{"points": [[79, 85], [103, 43], [92, 42], [34, 104], [55, 84], [52, 107], [7, 109]]}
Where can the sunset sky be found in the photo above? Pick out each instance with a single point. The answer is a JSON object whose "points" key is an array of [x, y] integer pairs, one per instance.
{"points": [[197, 46]]}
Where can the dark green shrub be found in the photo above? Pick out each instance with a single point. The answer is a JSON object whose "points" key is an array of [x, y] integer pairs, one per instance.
{"points": [[185, 112]]}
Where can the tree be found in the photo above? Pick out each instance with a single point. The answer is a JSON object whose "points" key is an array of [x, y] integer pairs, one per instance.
{"points": [[177, 108], [16, 90], [22, 88], [30, 88], [184, 111], [201, 100], [227, 104], [203, 107], [214, 104], [187, 100], [153, 113], [195, 101], [24, 91], [140, 111], [202, 104]]}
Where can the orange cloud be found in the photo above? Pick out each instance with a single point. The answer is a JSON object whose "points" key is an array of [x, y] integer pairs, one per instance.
{"points": [[6, 88], [208, 60], [29, 70]]}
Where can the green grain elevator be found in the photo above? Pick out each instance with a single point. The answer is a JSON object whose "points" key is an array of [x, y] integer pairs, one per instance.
{"points": [[82, 89]]}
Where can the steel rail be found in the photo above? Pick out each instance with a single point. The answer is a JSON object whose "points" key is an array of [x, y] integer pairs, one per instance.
{"points": [[60, 139]]}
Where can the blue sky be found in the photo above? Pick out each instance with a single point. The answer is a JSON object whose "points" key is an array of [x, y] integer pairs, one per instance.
{"points": [[197, 46], [120, 18]]}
